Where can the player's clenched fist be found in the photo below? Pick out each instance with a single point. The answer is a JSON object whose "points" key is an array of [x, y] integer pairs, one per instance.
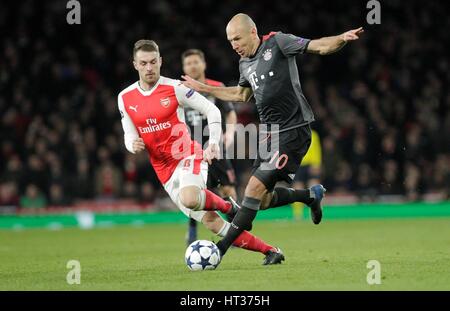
{"points": [[211, 152], [138, 145]]}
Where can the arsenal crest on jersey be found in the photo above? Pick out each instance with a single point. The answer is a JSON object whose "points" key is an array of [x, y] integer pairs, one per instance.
{"points": [[165, 102]]}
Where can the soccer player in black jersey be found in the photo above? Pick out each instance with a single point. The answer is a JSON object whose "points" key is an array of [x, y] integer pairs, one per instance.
{"points": [[268, 71], [221, 175]]}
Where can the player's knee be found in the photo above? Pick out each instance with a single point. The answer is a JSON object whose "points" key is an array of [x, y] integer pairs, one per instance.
{"points": [[190, 197], [212, 222]]}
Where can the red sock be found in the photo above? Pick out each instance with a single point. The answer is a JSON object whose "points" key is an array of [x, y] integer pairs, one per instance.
{"points": [[250, 242], [215, 203]]}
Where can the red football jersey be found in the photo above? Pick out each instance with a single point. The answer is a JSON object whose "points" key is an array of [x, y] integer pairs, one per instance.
{"points": [[157, 116]]}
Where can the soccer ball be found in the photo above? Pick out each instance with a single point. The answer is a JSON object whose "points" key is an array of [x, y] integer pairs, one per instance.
{"points": [[202, 255]]}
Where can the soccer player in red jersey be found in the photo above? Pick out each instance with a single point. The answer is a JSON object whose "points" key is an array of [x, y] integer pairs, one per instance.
{"points": [[152, 112]]}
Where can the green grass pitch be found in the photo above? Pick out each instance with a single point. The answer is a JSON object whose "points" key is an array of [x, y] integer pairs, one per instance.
{"points": [[414, 255]]}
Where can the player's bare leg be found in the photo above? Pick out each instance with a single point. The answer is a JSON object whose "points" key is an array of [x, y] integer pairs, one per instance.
{"points": [[225, 192]]}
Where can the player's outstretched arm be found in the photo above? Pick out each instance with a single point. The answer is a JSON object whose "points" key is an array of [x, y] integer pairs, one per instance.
{"points": [[329, 45], [232, 94]]}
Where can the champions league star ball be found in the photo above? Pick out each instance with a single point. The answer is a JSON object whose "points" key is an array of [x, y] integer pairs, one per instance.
{"points": [[202, 255]]}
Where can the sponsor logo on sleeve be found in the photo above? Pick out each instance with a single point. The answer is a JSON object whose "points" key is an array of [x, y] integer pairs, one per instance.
{"points": [[190, 93]]}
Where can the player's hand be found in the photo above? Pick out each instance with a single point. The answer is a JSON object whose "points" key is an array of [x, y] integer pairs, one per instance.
{"points": [[138, 145], [352, 35], [193, 84], [211, 152]]}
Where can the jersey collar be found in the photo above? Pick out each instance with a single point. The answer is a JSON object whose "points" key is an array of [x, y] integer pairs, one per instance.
{"points": [[261, 42], [149, 92]]}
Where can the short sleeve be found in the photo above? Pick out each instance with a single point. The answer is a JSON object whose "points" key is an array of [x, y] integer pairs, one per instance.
{"points": [[291, 45]]}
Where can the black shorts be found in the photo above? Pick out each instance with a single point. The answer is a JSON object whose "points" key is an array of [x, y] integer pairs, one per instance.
{"points": [[220, 173], [282, 163]]}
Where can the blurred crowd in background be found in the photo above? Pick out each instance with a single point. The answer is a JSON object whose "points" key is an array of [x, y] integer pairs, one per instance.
{"points": [[381, 104]]}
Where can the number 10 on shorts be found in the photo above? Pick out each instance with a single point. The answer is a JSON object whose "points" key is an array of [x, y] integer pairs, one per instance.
{"points": [[280, 161]]}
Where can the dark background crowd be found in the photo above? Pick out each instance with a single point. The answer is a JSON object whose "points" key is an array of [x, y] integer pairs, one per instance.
{"points": [[381, 103]]}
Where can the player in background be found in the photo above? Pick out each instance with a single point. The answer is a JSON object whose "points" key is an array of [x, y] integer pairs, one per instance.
{"points": [[221, 176], [308, 173], [268, 71], [152, 116]]}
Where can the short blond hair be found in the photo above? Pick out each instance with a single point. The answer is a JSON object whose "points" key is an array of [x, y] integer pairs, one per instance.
{"points": [[145, 45]]}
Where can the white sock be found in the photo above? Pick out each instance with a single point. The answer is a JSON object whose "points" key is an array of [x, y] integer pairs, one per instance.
{"points": [[223, 231]]}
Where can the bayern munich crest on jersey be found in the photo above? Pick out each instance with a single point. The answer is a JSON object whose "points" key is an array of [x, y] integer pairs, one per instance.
{"points": [[165, 102], [267, 55]]}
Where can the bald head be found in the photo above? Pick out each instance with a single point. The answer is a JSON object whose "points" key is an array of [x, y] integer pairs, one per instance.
{"points": [[242, 34], [242, 20]]}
